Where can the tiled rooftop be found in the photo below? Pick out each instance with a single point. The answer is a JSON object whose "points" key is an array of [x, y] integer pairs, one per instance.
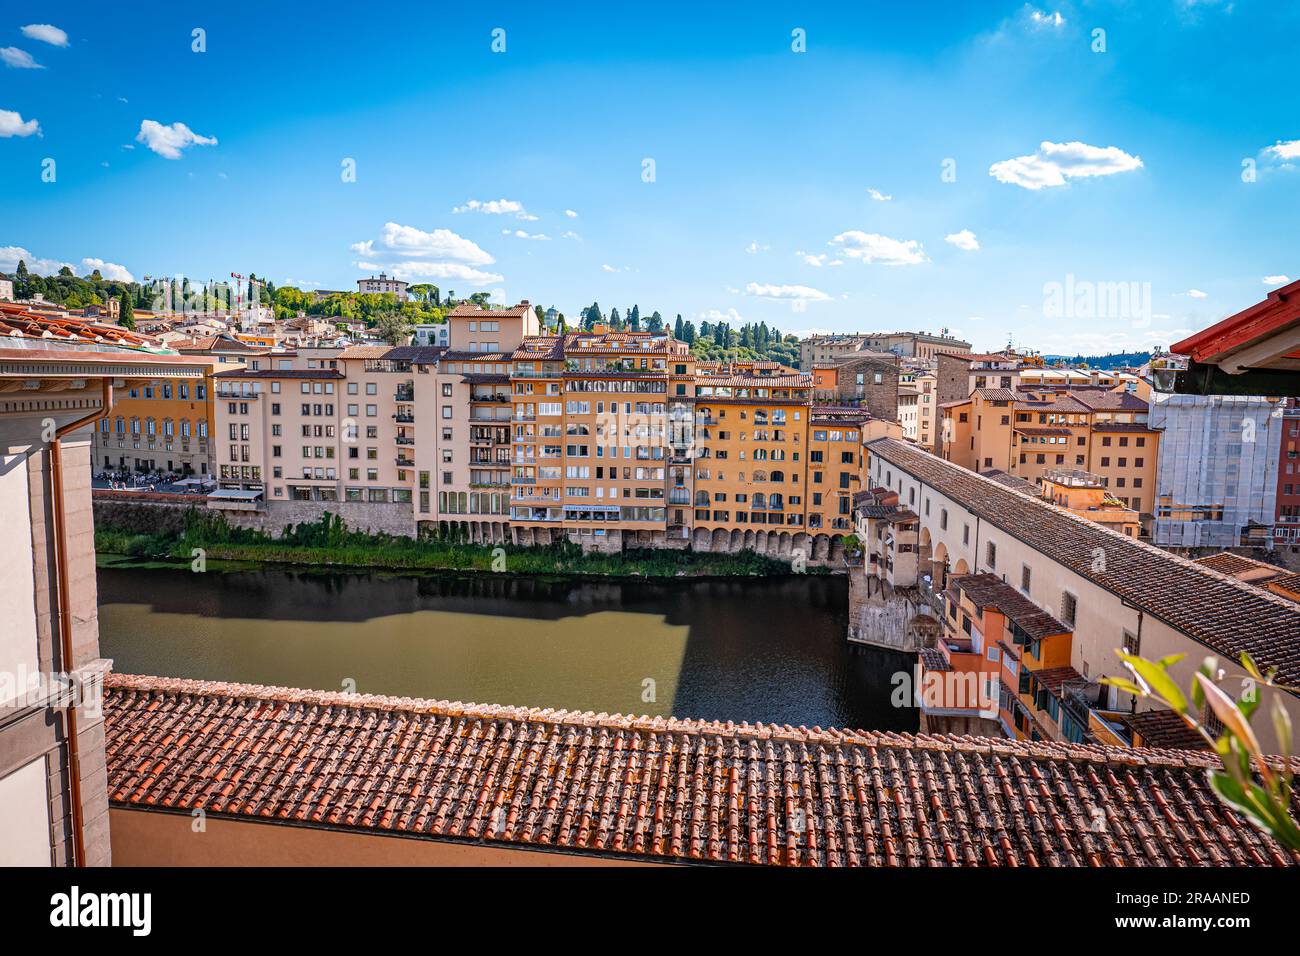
{"points": [[1226, 562], [660, 789], [1225, 615], [1164, 728], [990, 591], [18, 321]]}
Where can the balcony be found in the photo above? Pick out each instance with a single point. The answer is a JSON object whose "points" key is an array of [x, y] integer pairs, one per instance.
{"points": [[404, 418], [404, 440], [405, 393], [404, 462]]}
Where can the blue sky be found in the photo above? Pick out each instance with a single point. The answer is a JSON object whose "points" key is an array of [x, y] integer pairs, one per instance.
{"points": [[765, 159]]}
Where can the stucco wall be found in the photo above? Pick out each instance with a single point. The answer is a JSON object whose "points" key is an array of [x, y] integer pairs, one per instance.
{"points": [[156, 838]]}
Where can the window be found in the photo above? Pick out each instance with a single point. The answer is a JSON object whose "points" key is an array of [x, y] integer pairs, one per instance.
{"points": [[1132, 643], [991, 555], [1069, 604], [1024, 578]]}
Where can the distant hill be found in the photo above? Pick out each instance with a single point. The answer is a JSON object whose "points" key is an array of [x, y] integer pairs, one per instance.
{"points": [[1112, 361]]}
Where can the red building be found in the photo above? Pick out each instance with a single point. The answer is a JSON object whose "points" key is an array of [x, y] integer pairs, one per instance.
{"points": [[1286, 530]]}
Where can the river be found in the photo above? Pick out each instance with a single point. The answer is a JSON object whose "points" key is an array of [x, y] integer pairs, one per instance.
{"points": [[755, 649]]}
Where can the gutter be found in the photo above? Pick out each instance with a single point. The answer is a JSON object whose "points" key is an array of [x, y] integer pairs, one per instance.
{"points": [[65, 612]]}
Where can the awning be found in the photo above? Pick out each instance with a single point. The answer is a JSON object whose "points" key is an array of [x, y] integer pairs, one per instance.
{"points": [[235, 494]]}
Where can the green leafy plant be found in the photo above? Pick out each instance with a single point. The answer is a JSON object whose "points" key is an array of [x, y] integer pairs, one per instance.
{"points": [[1254, 785]]}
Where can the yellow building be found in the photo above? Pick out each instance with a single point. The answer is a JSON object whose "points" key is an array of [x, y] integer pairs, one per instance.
{"points": [[163, 424]]}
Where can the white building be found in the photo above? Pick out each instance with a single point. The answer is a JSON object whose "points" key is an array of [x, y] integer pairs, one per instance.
{"points": [[383, 284]]}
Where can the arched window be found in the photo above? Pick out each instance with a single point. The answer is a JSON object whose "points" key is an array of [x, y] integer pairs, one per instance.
{"points": [[777, 476], [759, 500], [760, 476], [169, 427], [150, 426], [185, 428], [120, 426], [775, 503], [135, 426], [702, 499], [203, 428]]}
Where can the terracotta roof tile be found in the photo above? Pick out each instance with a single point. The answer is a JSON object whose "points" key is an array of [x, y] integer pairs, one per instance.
{"points": [[658, 788]]}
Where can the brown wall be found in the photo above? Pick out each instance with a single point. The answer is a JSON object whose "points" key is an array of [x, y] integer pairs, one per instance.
{"points": [[155, 838]]}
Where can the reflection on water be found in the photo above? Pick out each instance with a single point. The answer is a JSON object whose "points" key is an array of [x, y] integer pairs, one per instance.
{"points": [[747, 649]]}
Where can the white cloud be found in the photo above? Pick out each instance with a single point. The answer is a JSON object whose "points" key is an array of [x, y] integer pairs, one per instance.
{"points": [[417, 269], [17, 59], [1284, 151], [964, 240], [571, 214], [399, 240], [878, 196], [169, 141], [410, 253], [755, 247], [608, 268], [1040, 18], [12, 124], [1054, 163], [571, 235], [812, 260], [800, 292], [1276, 280], [109, 270], [10, 255], [717, 315], [873, 247], [1194, 294], [496, 207], [46, 33], [521, 234]]}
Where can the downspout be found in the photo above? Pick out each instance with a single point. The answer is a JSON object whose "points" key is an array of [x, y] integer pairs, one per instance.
{"points": [[65, 612]]}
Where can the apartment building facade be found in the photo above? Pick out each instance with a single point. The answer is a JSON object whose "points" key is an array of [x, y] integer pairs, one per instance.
{"points": [[1286, 527], [1028, 433], [161, 425]]}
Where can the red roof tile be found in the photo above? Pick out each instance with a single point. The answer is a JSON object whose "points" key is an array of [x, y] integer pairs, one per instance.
{"points": [[660, 789]]}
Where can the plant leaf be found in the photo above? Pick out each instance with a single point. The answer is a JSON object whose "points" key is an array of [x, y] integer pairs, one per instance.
{"points": [[1225, 708], [1155, 677]]}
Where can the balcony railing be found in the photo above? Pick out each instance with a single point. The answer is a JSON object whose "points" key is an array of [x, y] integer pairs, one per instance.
{"points": [[405, 394], [405, 462]]}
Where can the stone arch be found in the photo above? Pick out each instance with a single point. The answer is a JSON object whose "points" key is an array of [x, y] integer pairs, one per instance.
{"points": [[821, 547], [783, 548], [719, 539], [962, 567], [700, 538], [735, 540], [748, 540]]}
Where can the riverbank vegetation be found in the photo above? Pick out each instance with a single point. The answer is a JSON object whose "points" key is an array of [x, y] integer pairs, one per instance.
{"points": [[329, 542]]}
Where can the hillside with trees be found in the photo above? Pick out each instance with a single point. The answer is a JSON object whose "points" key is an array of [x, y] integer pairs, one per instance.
{"points": [[711, 341]]}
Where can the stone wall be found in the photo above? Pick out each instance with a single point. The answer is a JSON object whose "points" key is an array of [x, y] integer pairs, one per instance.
{"points": [[151, 517]]}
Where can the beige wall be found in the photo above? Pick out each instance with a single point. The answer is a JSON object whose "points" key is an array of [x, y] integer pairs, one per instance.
{"points": [[155, 838]]}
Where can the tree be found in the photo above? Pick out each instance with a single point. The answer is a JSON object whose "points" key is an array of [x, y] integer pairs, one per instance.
{"points": [[67, 272], [634, 318], [688, 333], [393, 327], [677, 329], [126, 312], [22, 268]]}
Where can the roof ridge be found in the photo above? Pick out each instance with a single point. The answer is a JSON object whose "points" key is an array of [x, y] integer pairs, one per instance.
{"points": [[1111, 756]]}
